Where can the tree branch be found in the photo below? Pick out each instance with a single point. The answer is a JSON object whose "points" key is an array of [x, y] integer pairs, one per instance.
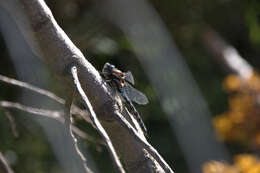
{"points": [[151, 150], [4, 164], [49, 42], [226, 54], [95, 120], [68, 127], [57, 115], [74, 109], [124, 123], [12, 122], [31, 87]]}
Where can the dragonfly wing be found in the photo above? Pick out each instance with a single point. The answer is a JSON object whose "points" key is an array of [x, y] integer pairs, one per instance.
{"points": [[129, 78], [135, 95]]}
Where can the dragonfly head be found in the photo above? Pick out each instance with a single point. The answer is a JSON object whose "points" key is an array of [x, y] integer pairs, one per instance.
{"points": [[108, 68]]}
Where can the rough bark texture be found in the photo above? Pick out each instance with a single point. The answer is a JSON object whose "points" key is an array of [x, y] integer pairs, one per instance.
{"points": [[49, 42]]}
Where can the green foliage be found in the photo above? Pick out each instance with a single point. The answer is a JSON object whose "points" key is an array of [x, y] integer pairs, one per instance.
{"points": [[252, 18]]}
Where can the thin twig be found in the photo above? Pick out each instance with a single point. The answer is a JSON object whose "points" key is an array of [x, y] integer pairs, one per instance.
{"points": [[12, 122], [57, 115], [95, 120], [74, 108], [68, 127], [84, 135], [43, 112], [31, 87], [4, 164]]}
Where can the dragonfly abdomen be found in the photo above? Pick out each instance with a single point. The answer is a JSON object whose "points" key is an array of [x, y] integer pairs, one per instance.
{"points": [[136, 114]]}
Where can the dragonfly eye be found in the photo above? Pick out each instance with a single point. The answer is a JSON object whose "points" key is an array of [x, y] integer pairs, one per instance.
{"points": [[108, 67], [111, 67]]}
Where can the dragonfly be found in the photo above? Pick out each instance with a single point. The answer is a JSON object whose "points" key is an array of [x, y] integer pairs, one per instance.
{"points": [[123, 82]]}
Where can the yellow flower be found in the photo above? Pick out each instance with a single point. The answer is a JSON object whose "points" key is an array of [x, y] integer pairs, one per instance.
{"points": [[232, 82], [223, 125], [245, 162], [219, 167], [254, 169]]}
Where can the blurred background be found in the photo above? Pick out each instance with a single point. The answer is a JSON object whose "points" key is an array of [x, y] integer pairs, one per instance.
{"points": [[197, 62]]}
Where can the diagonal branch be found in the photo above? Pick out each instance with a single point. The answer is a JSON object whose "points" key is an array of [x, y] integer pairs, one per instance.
{"points": [[95, 120], [4, 164], [74, 109], [43, 112], [226, 54], [12, 122], [31, 87], [57, 115], [68, 127]]}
